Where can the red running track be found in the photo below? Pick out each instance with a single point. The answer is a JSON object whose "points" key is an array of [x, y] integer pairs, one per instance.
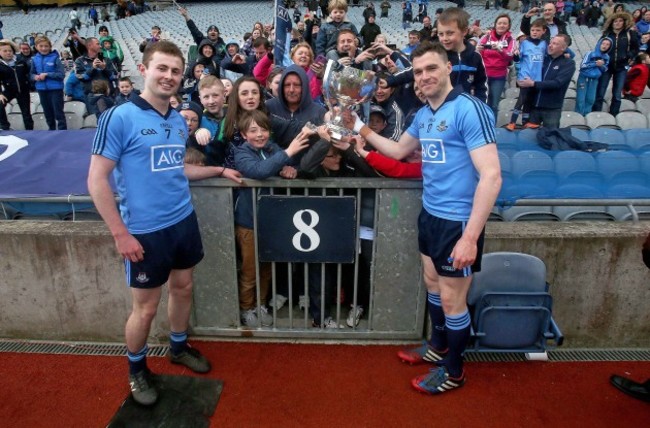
{"points": [[297, 385]]}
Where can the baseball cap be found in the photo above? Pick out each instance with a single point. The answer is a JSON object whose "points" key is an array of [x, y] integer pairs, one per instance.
{"points": [[191, 105], [374, 108]]}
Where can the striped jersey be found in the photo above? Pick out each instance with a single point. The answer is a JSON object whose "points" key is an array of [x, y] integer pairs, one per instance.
{"points": [[149, 152], [461, 124]]}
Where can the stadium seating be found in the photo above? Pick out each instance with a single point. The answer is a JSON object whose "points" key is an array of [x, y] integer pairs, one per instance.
{"points": [[511, 306]]}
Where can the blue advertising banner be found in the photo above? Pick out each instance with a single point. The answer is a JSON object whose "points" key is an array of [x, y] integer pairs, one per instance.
{"points": [[44, 163], [309, 229]]}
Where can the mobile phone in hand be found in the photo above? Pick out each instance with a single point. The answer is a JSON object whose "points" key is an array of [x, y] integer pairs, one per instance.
{"points": [[321, 60]]}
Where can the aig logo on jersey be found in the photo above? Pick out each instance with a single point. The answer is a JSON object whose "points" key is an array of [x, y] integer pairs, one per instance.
{"points": [[167, 157], [433, 150]]}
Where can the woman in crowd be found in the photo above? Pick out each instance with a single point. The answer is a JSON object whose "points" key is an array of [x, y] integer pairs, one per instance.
{"points": [[496, 48]]}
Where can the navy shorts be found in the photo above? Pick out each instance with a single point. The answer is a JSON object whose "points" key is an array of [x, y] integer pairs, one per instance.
{"points": [[437, 238], [175, 247]]}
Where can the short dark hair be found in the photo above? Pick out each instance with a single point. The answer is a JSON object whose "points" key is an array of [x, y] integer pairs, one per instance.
{"points": [[539, 22], [414, 33], [262, 41], [428, 46], [163, 46], [125, 79]]}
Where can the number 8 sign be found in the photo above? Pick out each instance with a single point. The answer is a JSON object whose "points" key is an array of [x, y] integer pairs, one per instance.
{"points": [[309, 229]]}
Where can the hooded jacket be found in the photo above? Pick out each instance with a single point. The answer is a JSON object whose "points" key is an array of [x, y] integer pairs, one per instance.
{"points": [[497, 62], [636, 80], [588, 67], [115, 52], [219, 45], [625, 44], [286, 123], [52, 65]]}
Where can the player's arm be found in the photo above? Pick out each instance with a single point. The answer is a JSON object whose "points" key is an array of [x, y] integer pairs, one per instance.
{"points": [[104, 200], [486, 162], [197, 172], [396, 150]]}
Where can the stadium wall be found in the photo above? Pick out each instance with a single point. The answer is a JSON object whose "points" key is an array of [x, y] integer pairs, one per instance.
{"points": [[64, 280]]}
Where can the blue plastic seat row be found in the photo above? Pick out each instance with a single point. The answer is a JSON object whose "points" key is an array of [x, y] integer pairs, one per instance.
{"points": [[526, 139]]}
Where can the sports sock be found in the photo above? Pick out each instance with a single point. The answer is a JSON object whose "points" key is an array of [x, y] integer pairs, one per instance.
{"points": [[438, 334], [138, 360], [458, 331], [177, 342], [514, 116]]}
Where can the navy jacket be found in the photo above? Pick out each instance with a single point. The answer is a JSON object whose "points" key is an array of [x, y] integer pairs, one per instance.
{"points": [[14, 79], [556, 76], [468, 70]]}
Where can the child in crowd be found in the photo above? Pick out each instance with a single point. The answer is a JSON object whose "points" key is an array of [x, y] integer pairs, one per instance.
{"points": [[328, 33], [175, 100], [190, 89], [531, 59], [73, 88], [47, 73], [192, 113], [211, 96], [194, 157], [637, 78], [593, 65], [14, 83], [126, 91], [67, 61], [258, 158], [227, 85], [468, 70], [110, 52], [99, 100]]}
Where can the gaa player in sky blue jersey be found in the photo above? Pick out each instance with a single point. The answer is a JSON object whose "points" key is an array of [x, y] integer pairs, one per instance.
{"points": [[143, 144], [462, 178]]}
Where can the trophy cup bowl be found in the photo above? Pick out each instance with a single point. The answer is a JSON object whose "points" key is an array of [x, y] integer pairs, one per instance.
{"points": [[345, 87]]}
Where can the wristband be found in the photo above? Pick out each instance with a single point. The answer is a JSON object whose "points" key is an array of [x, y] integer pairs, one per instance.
{"points": [[223, 168], [358, 124]]}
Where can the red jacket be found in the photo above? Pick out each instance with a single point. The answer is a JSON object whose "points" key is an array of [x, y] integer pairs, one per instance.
{"points": [[497, 62], [394, 168], [636, 80]]}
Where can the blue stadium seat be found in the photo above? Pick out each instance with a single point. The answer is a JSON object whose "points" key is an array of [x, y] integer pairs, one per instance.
{"points": [[628, 191], [511, 307], [530, 160], [614, 138], [580, 134], [570, 161], [527, 140], [644, 162], [506, 140], [504, 160], [614, 162], [638, 139]]}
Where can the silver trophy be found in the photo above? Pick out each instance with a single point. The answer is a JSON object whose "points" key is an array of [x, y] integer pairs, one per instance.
{"points": [[345, 87]]}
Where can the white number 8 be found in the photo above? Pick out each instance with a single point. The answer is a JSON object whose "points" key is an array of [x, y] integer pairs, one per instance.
{"points": [[307, 230]]}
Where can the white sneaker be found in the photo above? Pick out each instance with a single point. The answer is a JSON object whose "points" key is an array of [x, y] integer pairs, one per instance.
{"points": [[265, 317], [330, 324], [277, 302], [303, 302], [249, 318], [354, 316]]}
